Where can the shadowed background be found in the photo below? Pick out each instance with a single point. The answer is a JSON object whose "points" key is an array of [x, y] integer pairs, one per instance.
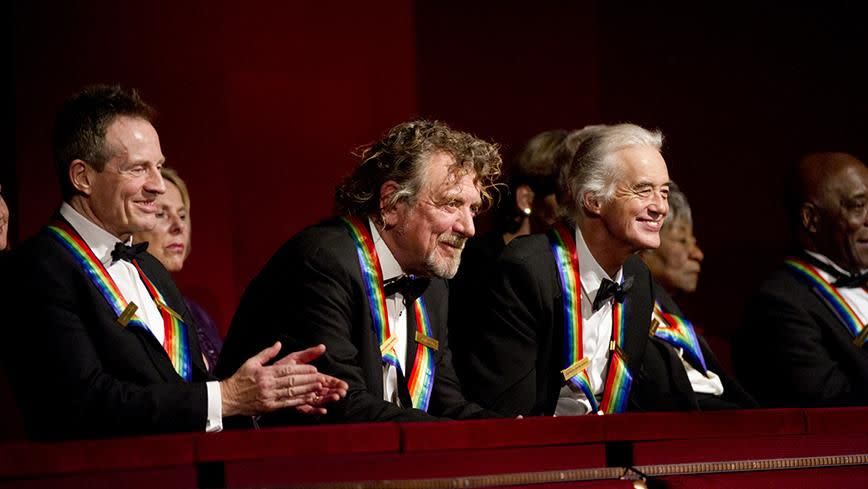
{"points": [[262, 105]]}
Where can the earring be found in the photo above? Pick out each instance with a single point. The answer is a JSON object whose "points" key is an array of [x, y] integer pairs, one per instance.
{"points": [[526, 211]]}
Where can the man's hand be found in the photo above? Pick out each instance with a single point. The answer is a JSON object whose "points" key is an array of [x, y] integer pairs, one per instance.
{"points": [[332, 388], [257, 388]]}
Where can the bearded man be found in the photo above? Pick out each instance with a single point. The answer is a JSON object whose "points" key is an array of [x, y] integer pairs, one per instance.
{"points": [[370, 285]]}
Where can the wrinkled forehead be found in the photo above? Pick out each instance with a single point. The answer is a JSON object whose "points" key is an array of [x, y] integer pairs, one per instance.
{"points": [[640, 163], [849, 182], [442, 172]]}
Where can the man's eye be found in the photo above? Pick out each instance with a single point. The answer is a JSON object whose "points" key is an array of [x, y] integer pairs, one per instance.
{"points": [[161, 215]]}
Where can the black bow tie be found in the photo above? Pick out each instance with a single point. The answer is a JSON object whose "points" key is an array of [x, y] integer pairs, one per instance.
{"points": [[852, 281], [609, 289], [409, 286], [128, 253], [842, 280]]}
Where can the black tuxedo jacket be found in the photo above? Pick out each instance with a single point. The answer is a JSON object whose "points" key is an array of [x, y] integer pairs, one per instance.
{"points": [[515, 356], [76, 372], [793, 351], [678, 394], [311, 292]]}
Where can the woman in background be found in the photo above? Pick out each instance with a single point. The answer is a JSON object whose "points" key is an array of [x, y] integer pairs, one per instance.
{"points": [[169, 242]]}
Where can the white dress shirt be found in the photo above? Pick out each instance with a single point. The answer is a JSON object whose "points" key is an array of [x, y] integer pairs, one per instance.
{"points": [[397, 317], [596, 334], [856, 297], [126, 277]]}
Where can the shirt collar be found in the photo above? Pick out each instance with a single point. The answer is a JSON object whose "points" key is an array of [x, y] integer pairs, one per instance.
{"points": [[100, 241], [832, 264], [591, 273], [388, 264]]}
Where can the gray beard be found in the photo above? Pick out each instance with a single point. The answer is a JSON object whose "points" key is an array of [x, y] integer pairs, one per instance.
{"points": [[443, 269]]}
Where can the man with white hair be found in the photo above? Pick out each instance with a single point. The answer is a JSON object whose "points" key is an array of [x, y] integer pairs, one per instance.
{"points": [[569, 313]]}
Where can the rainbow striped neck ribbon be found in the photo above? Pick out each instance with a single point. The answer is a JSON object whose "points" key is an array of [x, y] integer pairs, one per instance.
{"points": [[616, 390], [678, 332], [830, 295], [420, 383], [176, 342]]}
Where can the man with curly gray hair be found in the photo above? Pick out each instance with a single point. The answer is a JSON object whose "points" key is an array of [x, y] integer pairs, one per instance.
{"points": [[370, 285]]}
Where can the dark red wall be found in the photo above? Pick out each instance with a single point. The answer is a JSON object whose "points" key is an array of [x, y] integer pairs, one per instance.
{"points": [[262, 103], [739, 94]]}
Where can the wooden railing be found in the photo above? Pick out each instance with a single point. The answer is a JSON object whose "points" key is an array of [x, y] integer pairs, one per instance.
{"points": [[757, 448]]}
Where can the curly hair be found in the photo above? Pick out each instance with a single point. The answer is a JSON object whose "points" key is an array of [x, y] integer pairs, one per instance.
{"points": [[400, 156], [81, 125]]}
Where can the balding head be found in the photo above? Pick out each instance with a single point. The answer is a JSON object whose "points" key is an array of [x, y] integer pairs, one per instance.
{"points": [[831, 193]]}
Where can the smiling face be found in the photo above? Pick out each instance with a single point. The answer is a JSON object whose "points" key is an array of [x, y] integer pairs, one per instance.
{"points": [[121, 198], [841, 225], [676, 263], [428, 235], [634, 215], [169, 240]]}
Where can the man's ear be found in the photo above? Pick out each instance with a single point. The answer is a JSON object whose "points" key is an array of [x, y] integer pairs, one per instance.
{"points": [[388, 210], [809, 216], [80, 175], [592, 203], [524, 199]]}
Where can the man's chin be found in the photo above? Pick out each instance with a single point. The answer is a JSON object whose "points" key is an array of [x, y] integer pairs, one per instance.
{"points": [[444, 269], [143, 225]]}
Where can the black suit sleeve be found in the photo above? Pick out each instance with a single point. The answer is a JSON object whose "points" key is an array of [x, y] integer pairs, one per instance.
{"points": [[503, 357], [783, 355], [306, 295], [65, 362], [327, 317]]}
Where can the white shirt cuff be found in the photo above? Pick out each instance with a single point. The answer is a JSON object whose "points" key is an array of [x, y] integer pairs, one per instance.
{"points": [[215, 407]]}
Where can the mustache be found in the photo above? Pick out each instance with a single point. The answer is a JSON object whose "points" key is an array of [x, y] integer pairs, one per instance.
{"points": [[455, 240]]}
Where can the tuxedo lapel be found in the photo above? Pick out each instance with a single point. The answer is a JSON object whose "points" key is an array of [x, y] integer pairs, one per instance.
{"points": [[411, 340], [637, 320], [152, 348], [829, 315], [157, 354], [410, 357]]}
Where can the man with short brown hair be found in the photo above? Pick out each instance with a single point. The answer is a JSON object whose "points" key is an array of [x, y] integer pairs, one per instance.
{"points": [[102, 344]]}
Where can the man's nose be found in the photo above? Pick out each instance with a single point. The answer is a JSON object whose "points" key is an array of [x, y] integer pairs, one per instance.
{"points": [[155, 183], [464, 223], [659, 206]]}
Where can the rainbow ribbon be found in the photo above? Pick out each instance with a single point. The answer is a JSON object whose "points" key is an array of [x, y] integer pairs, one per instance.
{"points": [[175, 343], [420, 383], [827, 293], [616, 390], [679, 332], [175, 340]]}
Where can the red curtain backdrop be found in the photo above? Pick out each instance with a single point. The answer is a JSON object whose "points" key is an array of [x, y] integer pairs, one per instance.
{"points": [[262, 104]]}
